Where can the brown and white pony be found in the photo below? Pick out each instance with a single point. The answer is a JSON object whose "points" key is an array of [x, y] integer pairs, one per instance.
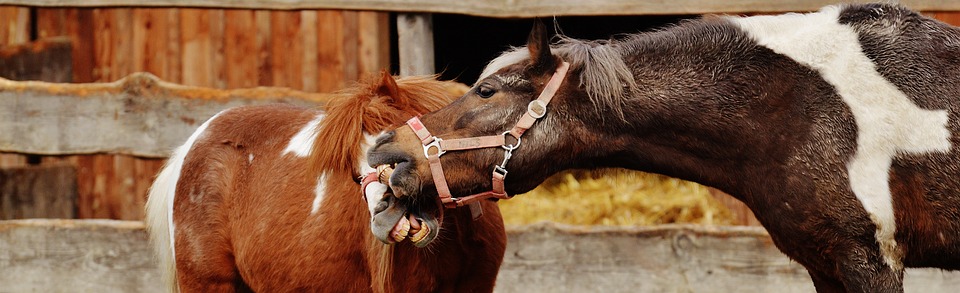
{"points": [[266, 199], [838, 128]]}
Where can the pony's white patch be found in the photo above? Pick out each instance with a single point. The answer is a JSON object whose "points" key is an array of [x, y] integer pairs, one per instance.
{"points": [[375, 190], [302, 143], [887, 121], [318, 193], [160, 206], [374, 195], [250, 158]]}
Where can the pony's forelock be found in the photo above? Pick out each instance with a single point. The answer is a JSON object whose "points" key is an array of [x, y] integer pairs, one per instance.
{"points": [[364, 109]]}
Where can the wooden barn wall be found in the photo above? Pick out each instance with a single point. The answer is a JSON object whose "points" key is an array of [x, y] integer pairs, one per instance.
{"points": [[309, 50]]}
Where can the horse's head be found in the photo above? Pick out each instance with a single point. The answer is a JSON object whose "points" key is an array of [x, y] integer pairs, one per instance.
{"points": [[354, 117], [493, 107]]}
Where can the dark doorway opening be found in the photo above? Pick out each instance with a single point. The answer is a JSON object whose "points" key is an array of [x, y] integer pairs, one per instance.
{"points": [[464, 44]]}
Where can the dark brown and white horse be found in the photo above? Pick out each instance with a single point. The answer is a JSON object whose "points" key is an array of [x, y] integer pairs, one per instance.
{"points": [[265, 198], [838, 128]]}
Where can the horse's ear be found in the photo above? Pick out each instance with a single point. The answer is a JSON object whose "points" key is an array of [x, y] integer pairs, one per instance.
{"points": [[388, 85], [539, 45]]}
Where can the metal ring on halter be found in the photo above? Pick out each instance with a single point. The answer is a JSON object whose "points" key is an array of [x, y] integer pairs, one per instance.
{"points": [[537, 109], [435, 143], [510, 147]]}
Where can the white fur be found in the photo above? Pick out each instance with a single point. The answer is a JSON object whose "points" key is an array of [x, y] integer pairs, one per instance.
{"points": [[250, 159], [302, 143], [887, 121], [159, 211], [375, 190], [318, 193], [513, 56]]}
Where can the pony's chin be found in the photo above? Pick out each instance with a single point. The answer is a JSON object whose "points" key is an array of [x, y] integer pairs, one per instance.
{"points": [[395, 224]]}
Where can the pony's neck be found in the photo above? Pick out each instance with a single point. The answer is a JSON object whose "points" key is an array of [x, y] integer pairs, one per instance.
{"points": [[710, 106]]}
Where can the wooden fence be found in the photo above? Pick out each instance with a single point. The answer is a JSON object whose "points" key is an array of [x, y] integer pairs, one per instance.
{"points": [[114, 256], [309, 50]]}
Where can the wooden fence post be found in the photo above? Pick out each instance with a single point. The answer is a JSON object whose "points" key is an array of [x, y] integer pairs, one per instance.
{"points": [[415, 42]]}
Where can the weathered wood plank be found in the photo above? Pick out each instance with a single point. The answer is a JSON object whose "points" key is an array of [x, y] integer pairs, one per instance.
{"points": [[504, 8], [114, 256], [76, 256], [374, 42], [14, 25], [328, 56], [240, 48], [38, 192], [138, 115], [415, 42], [286, 49], [43, 60], [668, 258]]}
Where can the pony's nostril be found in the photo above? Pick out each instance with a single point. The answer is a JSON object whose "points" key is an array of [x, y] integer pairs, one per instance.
{"points": [[386, 137]]}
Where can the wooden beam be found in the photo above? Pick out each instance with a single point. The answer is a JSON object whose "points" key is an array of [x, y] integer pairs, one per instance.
{"points": [[43, 60], [114, 256], [38, 192], [501, 8], [415, 43], [137, 115]]}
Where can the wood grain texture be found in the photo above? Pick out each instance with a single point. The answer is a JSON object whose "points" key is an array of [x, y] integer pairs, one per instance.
{"points": [[43, 60], [415, 42], [14, 25], [504, 8], [63, 256], [38, 192], [138, 115]]}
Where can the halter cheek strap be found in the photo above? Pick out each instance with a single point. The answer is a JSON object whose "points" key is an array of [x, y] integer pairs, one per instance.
{"points": [[434, 147]]}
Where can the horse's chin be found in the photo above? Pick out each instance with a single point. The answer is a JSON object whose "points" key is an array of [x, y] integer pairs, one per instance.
{"points": [[395, 223]]}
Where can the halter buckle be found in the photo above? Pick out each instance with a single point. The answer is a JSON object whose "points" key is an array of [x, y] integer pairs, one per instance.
{"points": [[435, 143], [537, 109]]}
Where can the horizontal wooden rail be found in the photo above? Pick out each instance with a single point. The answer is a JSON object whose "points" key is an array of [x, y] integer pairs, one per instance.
{"points": [[139, 115], [114, 256], [502, 8]]}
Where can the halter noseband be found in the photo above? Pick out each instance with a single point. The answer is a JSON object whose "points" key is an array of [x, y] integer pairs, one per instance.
{"points": [[434, 147]]}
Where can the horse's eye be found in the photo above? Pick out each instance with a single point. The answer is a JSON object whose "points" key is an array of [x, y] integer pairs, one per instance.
{"points": [[485, 91]]}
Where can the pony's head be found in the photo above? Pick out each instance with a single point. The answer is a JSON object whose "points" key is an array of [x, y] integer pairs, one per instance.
{"points": [[355, 116], [589, 91]]}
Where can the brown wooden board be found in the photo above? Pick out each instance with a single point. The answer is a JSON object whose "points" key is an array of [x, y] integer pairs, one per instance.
{"points": [[43, 60], [503, 8], [38, 192]]}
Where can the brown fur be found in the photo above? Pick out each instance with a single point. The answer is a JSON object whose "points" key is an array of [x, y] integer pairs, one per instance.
{"points": [[245, 224]]}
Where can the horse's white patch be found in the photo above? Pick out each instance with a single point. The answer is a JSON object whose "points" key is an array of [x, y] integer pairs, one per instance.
{"points": [[508, 58], [250, 158], [887, 121], [160, 204], [302, 143], [318, 193]]}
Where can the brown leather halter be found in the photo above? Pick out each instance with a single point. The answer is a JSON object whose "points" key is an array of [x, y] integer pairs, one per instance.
{"points": [[434, 147]]}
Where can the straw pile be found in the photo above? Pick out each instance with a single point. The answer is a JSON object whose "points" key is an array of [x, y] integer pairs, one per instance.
{"points": [[615, 198]]}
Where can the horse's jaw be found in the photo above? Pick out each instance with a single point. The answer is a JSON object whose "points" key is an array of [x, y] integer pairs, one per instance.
{"points": [[392, 220]]}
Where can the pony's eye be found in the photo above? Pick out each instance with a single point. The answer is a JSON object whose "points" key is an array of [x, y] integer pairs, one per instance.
{"points": [[485, 91]]}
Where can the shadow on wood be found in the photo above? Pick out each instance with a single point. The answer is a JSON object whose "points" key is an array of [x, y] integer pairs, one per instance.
{"points": [[38, 192]]}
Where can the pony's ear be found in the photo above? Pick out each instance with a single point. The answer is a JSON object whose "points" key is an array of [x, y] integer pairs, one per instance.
{"points": [[388, 85], [539, 45]]}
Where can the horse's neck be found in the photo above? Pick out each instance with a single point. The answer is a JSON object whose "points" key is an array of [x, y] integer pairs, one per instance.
{"points": [[713, 111]]}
